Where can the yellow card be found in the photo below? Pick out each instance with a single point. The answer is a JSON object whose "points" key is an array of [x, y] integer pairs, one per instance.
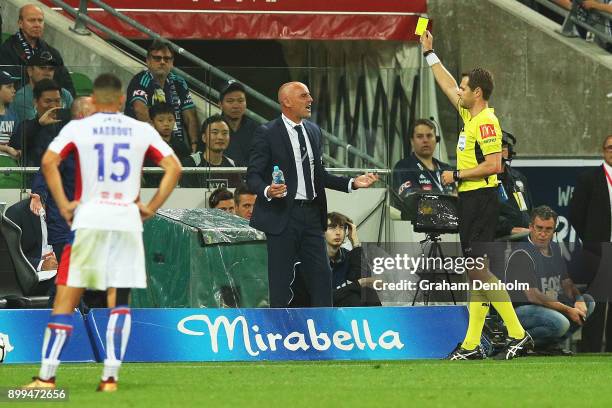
{"points": [[421, 26]]}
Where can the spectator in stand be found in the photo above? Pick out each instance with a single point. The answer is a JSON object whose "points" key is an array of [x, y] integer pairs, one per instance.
{"points": [[233, 107], [222, 199], [39, 67], [245, 201], [157, 84], [162, 116], [8, 118], [604, 24], [28, 42], [8, 121], [215, 139], [31, 137]]}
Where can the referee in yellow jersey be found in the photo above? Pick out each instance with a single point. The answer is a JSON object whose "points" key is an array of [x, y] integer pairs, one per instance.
{"points": [[478, 162]]}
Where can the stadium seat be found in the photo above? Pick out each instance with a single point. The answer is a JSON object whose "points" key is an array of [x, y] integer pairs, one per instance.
{"points": [[20, 284], [82, 84]]}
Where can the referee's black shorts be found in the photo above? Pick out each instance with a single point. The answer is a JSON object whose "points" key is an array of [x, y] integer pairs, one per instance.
{"points": [[478, 212]]}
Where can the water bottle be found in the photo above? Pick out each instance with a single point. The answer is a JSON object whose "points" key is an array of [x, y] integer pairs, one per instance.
{"points": [[277, 176]]}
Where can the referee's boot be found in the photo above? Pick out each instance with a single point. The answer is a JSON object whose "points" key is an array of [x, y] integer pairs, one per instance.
{"points": [[459, 353], [40, 383], [517, 348]]}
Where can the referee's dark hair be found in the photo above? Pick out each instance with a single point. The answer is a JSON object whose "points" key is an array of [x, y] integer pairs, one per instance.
{"points": [[480, 78], [45, 85], [220, 194], [543, 212]]}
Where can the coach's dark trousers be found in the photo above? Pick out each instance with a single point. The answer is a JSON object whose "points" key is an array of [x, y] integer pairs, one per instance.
{"points": [[302, 240]]}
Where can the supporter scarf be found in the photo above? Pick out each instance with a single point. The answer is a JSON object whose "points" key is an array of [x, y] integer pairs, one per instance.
{"points": [[27, 48], [175, 101]]}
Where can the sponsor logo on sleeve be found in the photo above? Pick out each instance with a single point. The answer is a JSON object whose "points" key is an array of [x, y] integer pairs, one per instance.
{"points": [[487, 131]]}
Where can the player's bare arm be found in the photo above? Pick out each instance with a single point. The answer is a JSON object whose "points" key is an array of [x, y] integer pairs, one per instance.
{"points": [[491, 165], [445, 80], [50, 169], [172, 172]]}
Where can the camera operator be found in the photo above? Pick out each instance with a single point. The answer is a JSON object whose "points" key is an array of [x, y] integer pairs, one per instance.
{"points": [[421, 171], [515, 198]]}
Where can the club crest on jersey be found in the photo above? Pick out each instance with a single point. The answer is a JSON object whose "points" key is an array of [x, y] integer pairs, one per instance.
{"points": [[487, 131], [404, 186]]}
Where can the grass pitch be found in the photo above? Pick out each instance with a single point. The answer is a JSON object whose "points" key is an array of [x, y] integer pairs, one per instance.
{"points": [[526, 382]]}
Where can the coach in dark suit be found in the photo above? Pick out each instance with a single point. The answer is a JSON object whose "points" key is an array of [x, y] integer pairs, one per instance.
{"points": [[294, 215], [591, 216]]}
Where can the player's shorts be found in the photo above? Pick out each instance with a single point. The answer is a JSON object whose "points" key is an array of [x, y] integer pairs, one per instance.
{"points": [[101, 259], [478, 212]]}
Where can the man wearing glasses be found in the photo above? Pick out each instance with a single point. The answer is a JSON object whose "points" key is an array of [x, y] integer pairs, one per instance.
{"points": [[156, 85]]}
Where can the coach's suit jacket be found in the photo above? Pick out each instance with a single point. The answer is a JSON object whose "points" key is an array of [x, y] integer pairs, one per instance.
{"points": [[272, 147], [590, 207], [31, 233]]}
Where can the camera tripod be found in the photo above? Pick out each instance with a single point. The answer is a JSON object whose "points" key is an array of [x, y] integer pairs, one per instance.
{"points": [[435, 252]]}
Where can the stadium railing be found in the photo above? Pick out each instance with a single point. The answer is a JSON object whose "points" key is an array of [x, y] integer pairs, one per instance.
{"points": [[578, 17], [82, 20]]}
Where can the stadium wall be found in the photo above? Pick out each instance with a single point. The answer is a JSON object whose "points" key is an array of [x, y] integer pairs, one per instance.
{"points": [[550, 90]]}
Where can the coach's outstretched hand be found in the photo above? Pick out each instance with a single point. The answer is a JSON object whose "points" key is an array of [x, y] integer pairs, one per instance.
{"points": [[365, 180], [67, 211]]}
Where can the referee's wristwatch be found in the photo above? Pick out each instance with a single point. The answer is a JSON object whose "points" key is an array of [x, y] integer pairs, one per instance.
{"points": [[456, 175]]}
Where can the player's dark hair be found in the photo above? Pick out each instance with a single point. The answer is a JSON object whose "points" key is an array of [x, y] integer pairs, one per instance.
{"points": [[543, 212], [210, 120], [241, 190], [45, 85], [158, 45], [107, 82], [480, 78], [220, 194], [160, 109], [425, 122]]}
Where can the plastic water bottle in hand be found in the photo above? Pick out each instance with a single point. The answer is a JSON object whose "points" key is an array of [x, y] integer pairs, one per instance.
{"points": [[277, 176]]}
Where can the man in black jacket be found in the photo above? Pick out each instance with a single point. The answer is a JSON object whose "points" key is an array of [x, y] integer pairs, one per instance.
{"points": [[293, 213], [26, 43], [591, 216]]}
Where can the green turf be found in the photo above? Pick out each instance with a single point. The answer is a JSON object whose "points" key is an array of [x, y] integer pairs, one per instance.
{"points": [[527, 382]]}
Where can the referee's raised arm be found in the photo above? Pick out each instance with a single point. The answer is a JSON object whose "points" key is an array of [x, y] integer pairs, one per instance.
{"points": [[445, 80]]}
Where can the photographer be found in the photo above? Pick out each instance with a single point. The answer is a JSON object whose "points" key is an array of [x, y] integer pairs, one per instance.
{"points": [[554, 307], [31, 137]]}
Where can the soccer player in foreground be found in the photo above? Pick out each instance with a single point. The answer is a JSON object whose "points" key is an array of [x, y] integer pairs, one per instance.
{"points": [[106, 219], [478, 162]]}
